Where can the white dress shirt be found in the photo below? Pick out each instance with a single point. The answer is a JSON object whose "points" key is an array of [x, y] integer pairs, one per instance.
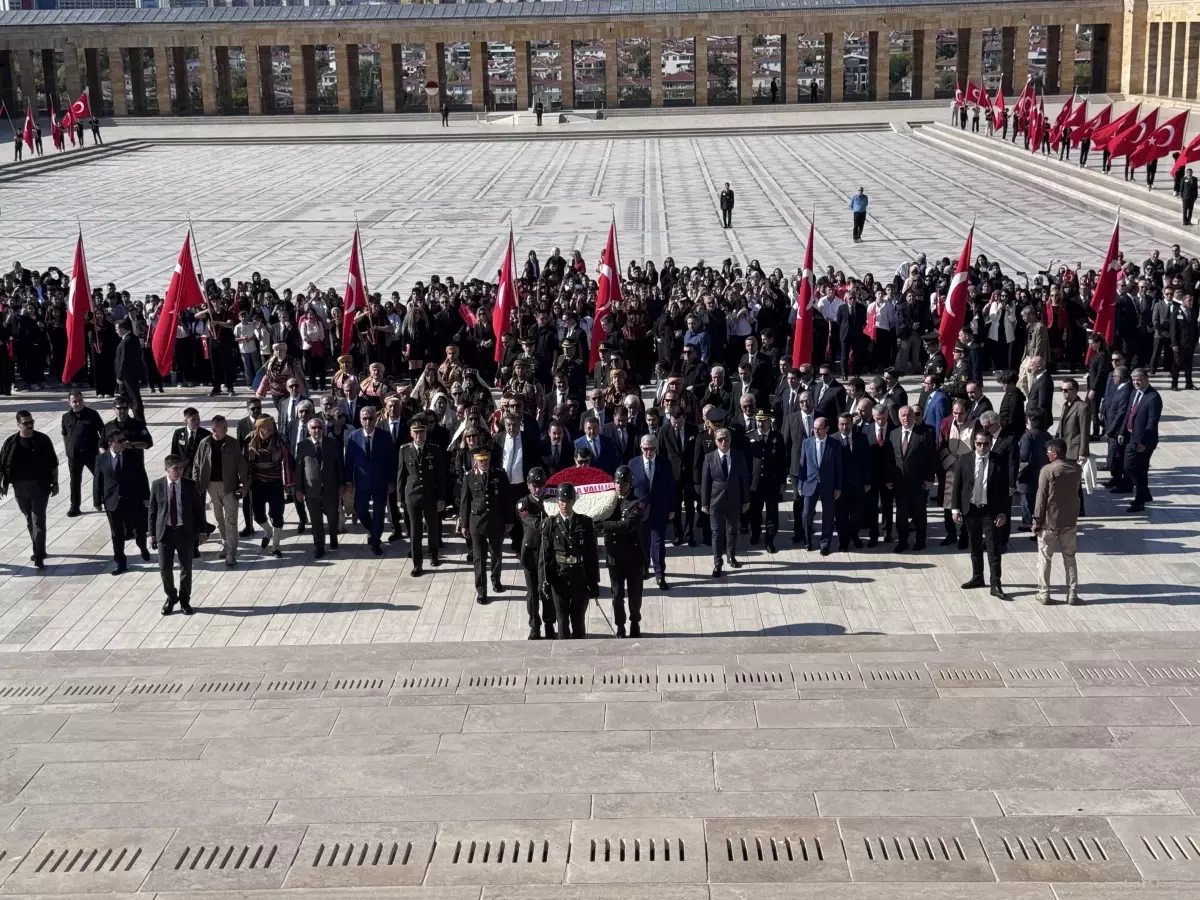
{"points": [[514, 459]]}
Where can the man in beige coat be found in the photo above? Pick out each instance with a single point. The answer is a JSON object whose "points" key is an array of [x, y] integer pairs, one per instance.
{"points": [[220, 471], [1055, 516], [1075, 427]]}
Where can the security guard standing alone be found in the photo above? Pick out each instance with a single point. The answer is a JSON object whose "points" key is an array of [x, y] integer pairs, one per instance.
{"points": [[570, 565], [422, 484], [623, 553], [531, 514], [483, 510], [768, 460]]}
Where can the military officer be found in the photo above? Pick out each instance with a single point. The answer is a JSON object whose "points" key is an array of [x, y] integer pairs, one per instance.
{"points": [[531, 514], [570, 565], [956, 383], [483, 510], [623, 553], [937, 359], [422, 484], [768, 471]]}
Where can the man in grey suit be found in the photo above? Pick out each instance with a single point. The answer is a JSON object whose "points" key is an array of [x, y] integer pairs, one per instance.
{"points": [[176, 518], [320, 480], [724, 497]]}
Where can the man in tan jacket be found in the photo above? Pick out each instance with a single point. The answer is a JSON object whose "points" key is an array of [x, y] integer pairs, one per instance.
{"points": [[221, 471], [1055, 515]]}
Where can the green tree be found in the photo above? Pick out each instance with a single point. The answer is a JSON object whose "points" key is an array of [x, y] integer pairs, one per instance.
{"points": [[641, 62], [899, 67]]}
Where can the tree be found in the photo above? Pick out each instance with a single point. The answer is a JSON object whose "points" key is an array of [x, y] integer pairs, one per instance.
{"points": [[899, 67], [641, 62]]}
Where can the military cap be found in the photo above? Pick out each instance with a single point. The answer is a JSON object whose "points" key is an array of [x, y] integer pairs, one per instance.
{"points": [[416, 425], [716, 415], [483, 454], [762, 414], [566, 491], [623, 475]]}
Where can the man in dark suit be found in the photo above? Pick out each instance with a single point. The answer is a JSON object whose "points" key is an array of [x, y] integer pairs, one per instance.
{"points": [[677, 445], [819, 478], [787, 398], [320, 482], [423, 485], [894, 395], [912, 470], [1041, 388], [557, 451], [604, 452], [175, 519], [760, 367], [245, 428], [654, 485], [829, 396], [727, 207], [980, 505], [856, 481], [796, 430], [1114, 409], [878, 501], [1141, 437], [371, 467], [768, 463], [978, 403], [186, 440], [621, 433], [724, 497], [130, 368], [120, 488]]}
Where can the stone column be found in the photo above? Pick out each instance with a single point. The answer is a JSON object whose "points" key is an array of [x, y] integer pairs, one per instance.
{"points": [[1020, 59], [745, 69], [879, 45], [962, 65], [299, 90], [1066, 68], [91, 64], [137, 79], [566, 63], [308, 58], [924, 63], [1115, 47], [835, 66], [49, 78], [183, 90], [479, 75], [73, 85], [1152, 58], [1007, 45], [116, 82], [612, 99], [8, 93], [266, 78], [701, 45], [254, 79], [787, 59], [975, 57], [435, 70], [1179, 64], [25, 75], [1052, 84], [1166, 35], [162, 80], [1134, 34], [208, 87], [524, 92], [387, 75], [1191, 61], [348, 94], [224, 83], [656, 82]]}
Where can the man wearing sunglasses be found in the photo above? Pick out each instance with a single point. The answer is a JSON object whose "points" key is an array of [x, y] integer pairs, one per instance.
{"points": [[725, 498], [29, 465], [981, 505]]}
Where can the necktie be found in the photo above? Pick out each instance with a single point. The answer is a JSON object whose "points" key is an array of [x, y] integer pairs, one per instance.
{"points": [[592, 447], [172, 504], [1137, 398], [977, 496], [904, 443], [555, 455], [820, 452], [368, 446], [725, 465], [792, 402], [317, 452], [649, 473], [117, 464], [879, 435]]}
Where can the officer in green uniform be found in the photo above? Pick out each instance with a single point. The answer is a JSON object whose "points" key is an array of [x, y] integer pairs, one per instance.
{"points": [[937, 359], [422, 484], [623, 553], [956, 383], [570, 564], [531, 514], [768, 460], [483, 511]]}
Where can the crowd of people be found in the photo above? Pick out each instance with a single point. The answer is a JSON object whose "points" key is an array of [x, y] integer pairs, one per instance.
{"points": [[692, 409]]}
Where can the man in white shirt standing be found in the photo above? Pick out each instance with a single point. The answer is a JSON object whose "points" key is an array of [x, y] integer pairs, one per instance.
{"points": [[981, 504]]}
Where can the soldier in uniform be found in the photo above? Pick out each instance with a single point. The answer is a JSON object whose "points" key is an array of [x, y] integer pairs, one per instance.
{"points": [[706, 443], [531, 515], [623, 553], [937, 359], [572, 366], [768, 470], [483, 510], [570, 565], [422, 484], [956, 382]]}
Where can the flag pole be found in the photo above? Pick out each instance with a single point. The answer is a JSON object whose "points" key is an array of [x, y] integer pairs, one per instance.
{"points": [[362, 262], [8, 116], [196, 247]]}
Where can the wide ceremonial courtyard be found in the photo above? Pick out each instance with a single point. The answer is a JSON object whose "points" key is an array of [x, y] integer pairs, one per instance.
{"points": [[850, 727]]}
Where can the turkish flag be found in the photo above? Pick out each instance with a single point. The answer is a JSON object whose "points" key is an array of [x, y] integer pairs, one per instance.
{"points": [[973, 91], [28, 132], [1166, 139], [1063, 115], [1026, 100], [1037, 128], [1188, 154], [1101, 136], [1104, 298], [68, 124], [1092, 125], [79, 303], [802, 337], [608, 293], [82, 108], [506, 297], [1125, 142], [998, 108], [183, 293], [872, 326], [356, 292], [955, 314], [55, 128]]}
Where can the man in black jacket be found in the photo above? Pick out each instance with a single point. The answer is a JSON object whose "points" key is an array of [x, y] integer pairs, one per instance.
{"points": [[727, 207], [422, 483], [130, 368], [82, 431], [29, 464], [981, 505], [121, 489], [677, 443], [912, 470]]}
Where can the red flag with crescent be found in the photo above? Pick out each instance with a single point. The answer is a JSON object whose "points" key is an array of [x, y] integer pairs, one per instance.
{"points": [[1101, 136], [79, 303], [1092, 125], [506, 298], [608, 293], [356, 291], [1167, 138], [806, 291], [955, 314], [1126, 142], [1104, 298], [184, 292]]}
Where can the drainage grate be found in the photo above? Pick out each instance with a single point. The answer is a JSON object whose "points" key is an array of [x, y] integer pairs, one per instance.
{"points": [[914, 850], [492, 683], [425, 684], [359, 685], [1045, 848], [775, 851], [26, 693], [1104, 673], [162, 688], [691, 678], [87, 862], [815, 676], [279, 687], [1169, 673], [1164, 848], [89, 690], [965, 676], [779, 679], [199, 859], [626, 679], [1036, 673], [557, 681], [335, 856], [624, 851], [500, 853], [224, 687], [890, 676]]}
